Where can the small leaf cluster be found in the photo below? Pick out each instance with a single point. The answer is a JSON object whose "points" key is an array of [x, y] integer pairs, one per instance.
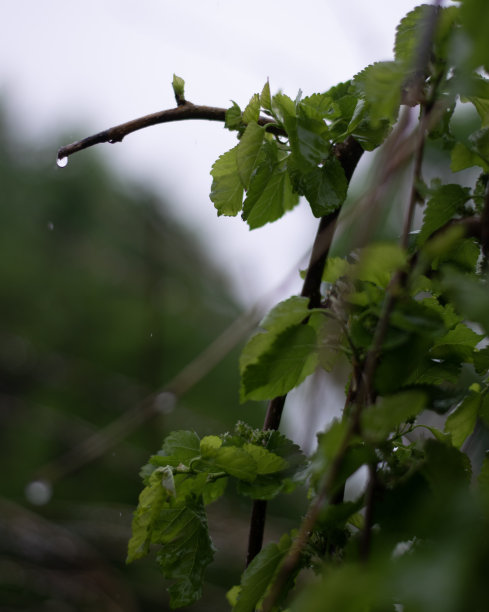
{"points": [[286, 150], [188, 474]]}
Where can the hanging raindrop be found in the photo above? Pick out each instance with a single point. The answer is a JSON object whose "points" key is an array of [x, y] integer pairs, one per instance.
{"points": [[50, 226], [62, 161]]}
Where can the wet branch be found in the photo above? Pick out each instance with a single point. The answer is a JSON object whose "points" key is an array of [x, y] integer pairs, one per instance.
{"points": [[184, 111]]}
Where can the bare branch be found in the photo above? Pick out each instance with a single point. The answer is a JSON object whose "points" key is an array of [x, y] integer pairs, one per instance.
{"points": [[184, 111]]}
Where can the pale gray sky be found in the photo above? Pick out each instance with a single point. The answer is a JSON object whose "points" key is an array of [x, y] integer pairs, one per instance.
{"points": [[96, 63]]}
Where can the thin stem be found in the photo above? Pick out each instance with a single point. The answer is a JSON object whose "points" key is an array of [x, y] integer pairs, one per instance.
{"points": [[182, 112]]}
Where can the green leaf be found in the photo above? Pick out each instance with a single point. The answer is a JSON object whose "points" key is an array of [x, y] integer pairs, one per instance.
{"points": [[331, 440], [267, 462], [460, 342], [252, 110], [380, 84], [324, 187], [233, 119], [237, 462], [335, 516], [270, 193], [484, 408], [390, 412], [481, 360], [320, 103], [445, 202], [446, 311], [214, 490], [461, 422], [259, 574], [331, 336], [345, 588], [469, 294], [227, 188], [417, 317], [401, 364], [151, 500], [292, 470], [178, 85], [265, 98], [408, 33], [370, 134], [478, 94], [284, 109], [291, 357], [335, 268], [378, 261], [474, 153], [285, 314], [183, 445], [475, 20], [446, 468], [178, 447], [186, 551], [310, 138], [248, 151], [433, 373]]}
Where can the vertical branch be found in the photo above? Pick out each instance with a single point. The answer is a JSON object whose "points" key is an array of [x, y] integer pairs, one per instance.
{"points": [[348, 153]]}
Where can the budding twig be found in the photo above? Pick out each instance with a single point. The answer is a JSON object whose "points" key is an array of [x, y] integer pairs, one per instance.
{"points": [[183, 111]]}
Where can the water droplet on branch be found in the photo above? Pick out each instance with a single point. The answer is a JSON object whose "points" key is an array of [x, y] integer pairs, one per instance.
{"points": [[62, 161], [50, 226]]}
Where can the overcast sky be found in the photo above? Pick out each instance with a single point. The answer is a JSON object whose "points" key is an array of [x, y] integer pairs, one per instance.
{"points": [[97, 63]]}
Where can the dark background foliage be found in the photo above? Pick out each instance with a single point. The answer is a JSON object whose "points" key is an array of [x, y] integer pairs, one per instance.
{"points": [[104, 298]]}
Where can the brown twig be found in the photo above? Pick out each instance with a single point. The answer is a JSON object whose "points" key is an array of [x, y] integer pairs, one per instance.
{"points": [[182, 112]]}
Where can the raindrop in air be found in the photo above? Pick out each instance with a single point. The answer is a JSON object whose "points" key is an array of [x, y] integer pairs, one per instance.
{"points": [[50, 226], [62, 161], [165, 402], [38, 492]]}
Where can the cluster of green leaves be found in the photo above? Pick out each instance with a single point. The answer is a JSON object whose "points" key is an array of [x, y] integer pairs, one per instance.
{"points": [[190, 473], [291, 153], [419, 314]]}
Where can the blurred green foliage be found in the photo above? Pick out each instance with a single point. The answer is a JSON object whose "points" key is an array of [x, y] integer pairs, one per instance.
{"points": [[104, 298]]}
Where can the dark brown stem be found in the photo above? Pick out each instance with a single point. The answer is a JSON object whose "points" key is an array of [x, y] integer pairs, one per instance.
{"points": [[257, 529], [182, 112], [348, 153]]}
